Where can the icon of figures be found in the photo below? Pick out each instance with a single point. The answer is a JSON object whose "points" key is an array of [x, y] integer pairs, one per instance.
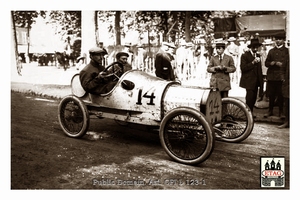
{"points": [[273, 164], [278, 165], [267, 165]]}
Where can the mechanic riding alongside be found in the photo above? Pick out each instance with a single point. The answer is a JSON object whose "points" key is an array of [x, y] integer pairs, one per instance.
{"points": [[95, 78]]}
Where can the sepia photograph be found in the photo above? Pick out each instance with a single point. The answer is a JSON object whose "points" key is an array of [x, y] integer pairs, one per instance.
{"points": [[150, 99]]}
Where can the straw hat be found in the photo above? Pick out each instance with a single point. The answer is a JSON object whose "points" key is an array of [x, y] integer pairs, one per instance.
{"points": [[231, 39]]}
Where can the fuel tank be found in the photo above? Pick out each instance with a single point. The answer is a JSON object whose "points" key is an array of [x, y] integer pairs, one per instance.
{"points": [[205, 100]]}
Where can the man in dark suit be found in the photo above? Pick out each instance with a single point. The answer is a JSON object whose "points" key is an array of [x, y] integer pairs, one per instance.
{"points": [[251, 78], [276, 62], [286, 92], [220, 66], [163, 66]]}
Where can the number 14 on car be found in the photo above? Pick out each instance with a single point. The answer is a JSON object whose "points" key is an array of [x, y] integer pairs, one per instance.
{"points": [[148, 94]]}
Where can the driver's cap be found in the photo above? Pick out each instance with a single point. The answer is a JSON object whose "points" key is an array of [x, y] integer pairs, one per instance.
{"points": [[97, 50], [120, 54]]}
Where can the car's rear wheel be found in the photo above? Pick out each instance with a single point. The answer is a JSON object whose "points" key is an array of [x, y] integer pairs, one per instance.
{"points": [[186, 136], [237, 121], [73, 116]]}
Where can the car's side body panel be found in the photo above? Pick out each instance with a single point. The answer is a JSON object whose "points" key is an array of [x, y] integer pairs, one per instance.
{"points": [[152, 98]]}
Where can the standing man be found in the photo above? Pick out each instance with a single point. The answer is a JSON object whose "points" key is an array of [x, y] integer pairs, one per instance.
{"points": [[266, 46], [128, 49], [251, 77], [171, 53], [233, 50], [189, 60], [180, 59], [276, 62], [163, 67], [101, 45], [242, 49], [286, 95], [220, 66]]}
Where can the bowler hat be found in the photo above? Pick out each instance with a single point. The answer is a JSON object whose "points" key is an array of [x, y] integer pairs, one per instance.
{"points": [[220, 44], [97, 50], [254, 43], [279, 37], [122, 54]]}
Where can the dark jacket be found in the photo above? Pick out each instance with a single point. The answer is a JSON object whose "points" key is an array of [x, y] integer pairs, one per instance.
{"points": [[221, 79], [163, 67], [286, 82], [251, 77], [276, 73], [90, 80], [93, 83]]}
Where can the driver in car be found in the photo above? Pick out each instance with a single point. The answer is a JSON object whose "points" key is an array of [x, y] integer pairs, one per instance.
{"points": [[95, 78]]}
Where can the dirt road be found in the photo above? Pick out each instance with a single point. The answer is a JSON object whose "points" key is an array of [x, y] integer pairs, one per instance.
{"points": [[116, 157]]}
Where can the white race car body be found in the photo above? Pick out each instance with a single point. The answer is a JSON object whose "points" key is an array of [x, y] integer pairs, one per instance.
{"points": [[151, 98]]}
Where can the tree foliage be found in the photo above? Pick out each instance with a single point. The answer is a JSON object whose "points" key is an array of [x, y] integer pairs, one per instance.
{"points": [[69, 22], [173, 24], [26, 18]]}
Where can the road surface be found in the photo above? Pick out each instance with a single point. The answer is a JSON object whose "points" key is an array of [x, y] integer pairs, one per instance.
{"points": [[116, 157]]}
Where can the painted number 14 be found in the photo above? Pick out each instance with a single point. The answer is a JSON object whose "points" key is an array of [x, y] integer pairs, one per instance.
{"points": [[149, 94]]}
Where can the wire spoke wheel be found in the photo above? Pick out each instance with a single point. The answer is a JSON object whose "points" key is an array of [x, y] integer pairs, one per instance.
{"points": [[186, 136], [73, 116], [237, 122]]}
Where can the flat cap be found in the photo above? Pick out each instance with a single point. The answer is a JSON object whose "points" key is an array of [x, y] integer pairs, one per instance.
{"points": [[97, 50], [122, 54]]}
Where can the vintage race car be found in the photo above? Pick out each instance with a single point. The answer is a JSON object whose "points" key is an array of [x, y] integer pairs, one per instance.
{"points": [[189, 118]]}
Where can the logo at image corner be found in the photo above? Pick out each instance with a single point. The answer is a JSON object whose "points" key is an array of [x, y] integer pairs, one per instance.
{"points": [[272, 171]]}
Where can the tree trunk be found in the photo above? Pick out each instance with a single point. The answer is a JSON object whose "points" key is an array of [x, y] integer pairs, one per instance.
{"points": [[187, 26], [28, 45], [117, 27], [97, 28], [88, 32], [29, 22], [14, 50]]}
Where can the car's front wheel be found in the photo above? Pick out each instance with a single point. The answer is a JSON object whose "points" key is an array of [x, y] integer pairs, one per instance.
{"points": [[73, 116]]}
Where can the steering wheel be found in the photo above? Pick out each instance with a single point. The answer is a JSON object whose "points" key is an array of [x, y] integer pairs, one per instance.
{"points": [[117, 73], [113, 72]]}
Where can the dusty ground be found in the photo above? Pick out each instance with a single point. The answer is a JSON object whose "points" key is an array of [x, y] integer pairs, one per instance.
{"points": [[115, 157]]}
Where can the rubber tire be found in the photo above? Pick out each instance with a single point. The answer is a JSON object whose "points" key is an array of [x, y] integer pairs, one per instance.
{"points": [[210, 136], [249, 120], [82, 117]]}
